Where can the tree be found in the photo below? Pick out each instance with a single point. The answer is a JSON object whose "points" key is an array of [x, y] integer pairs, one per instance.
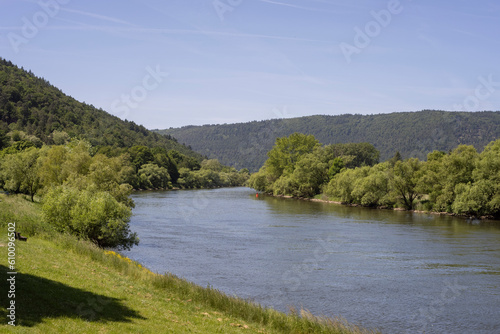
{"points": [[187, 179], [341, 186], [310, 174], [353, 154], [212, 164], [162, 159], [152, 176], [404, 179], [285, 185], [455, 168], [486, 178], [395, 158], [20, 172], [140, 155], [259, 181], [110, 175], [336, 165], [373, 188], [51, 164], [4, 140], [475, 199], [79, 157], [59, 137], [287, 151]]}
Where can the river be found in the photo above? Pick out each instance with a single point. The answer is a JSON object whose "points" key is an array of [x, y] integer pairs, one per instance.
{"points": [[399, 272]]}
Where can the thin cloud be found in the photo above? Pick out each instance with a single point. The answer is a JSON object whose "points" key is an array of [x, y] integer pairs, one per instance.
{"points": [[299, 7], [96, 16], [180, 32]]}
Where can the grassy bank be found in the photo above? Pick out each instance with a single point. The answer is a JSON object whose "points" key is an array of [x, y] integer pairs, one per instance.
{"points": [[65, 285]]}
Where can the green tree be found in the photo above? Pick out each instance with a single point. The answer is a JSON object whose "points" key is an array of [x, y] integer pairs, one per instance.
{"points": [[286, 185], [79, 157], [4, 140], [475, 199], [59, 137], [152, 176], [51, 164], [260, 180], [454, 168], [397, 157], [336, 165], [353, 154], [341, 186], [162, 159], [287, 151], [140, 155], [110, 175], [373, 189], [309, 175], [212, 164], [483, 195], [404, 179], [187, 179], [20, 172]]}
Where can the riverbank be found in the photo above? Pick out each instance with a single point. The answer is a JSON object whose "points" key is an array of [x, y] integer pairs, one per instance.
{"points": [[320, 200], [67, 285]]}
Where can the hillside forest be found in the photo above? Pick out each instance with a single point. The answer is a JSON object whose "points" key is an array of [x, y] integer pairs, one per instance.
{"points": [[461, 182], [413, 134]]}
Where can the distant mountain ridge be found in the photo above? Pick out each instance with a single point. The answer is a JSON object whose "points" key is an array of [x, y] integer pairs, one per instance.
{"points": [[413, 134], [34, 106]]}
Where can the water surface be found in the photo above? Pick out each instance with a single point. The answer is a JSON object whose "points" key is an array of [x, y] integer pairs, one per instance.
{"points": [[396, 271]]}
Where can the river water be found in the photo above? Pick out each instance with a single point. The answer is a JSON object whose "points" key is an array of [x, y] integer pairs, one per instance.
{"points": [[399, 272]]}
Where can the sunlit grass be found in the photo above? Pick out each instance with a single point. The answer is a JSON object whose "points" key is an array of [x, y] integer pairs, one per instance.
{"points": [[67, 285]]}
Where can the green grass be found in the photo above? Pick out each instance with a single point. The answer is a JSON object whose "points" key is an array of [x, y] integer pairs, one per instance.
{"points": [[66, 285]]}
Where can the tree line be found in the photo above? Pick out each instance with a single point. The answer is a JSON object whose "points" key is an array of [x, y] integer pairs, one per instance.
{"points": [[461, 181], [85, 189], [414, 134]]}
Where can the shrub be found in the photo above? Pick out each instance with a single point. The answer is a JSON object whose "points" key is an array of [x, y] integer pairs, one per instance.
{"points": [[89, 214]]}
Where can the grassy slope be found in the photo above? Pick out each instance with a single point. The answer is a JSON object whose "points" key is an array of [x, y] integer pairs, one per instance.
{"points": [[64, 285]]}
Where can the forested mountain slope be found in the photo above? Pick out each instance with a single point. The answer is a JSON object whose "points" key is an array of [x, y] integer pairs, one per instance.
{"points": [[32, 105], [413, 134]]}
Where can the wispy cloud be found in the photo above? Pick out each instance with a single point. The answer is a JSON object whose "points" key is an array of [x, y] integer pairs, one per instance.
{"points": [[96, 16], [111, 29], [322, 10]]}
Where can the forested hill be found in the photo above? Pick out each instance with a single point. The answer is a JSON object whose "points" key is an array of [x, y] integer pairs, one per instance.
{"points": [[32, 105], [413, 134]]}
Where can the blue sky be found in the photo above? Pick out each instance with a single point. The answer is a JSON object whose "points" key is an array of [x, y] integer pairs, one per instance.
{"points": [[180, 62]]}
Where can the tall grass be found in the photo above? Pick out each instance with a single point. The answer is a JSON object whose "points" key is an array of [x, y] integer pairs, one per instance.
{"points": [[296, 322], [28, 220]]}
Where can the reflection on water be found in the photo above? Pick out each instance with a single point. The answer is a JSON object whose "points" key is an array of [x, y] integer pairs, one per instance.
{"points": [[394, 270]]}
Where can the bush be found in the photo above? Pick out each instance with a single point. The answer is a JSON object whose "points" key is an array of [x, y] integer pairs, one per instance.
{"points": [[89, 214]]}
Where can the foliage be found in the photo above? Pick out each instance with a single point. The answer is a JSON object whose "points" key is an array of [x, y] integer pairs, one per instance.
{"points": [[404, 179], [299, 166], [90, 214], [374, 188], [19, 172], [287, 151], [460, 182], [152, 176], [413, 134], [212, 175], [87, 193]]}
